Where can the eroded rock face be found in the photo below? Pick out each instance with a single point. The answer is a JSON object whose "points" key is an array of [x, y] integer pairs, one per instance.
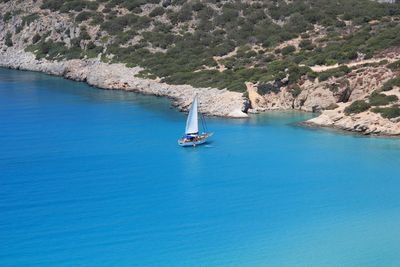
{"points": [[365, 123], [212, 101], [317, 96], [331, 97], [362, 82], [59, 27]]}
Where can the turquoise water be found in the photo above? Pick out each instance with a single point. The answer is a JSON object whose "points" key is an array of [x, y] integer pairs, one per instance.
{"points": [[95, 178]]}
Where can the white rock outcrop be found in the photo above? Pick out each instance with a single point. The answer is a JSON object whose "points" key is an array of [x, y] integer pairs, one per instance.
{"points": [[212, 101]]}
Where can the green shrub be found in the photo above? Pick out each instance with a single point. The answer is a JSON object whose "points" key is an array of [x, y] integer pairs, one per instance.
{"points": [[18, 29], [36, 38], [76, 42], [266, 88], [295, 72], [388, 112], [84, 35], [97, 18], [377, 99], [53, 5], [218, 28], [305, 36], [323, 76], [394, 66], [84, 15], [158, 11], [7, 16], [50, 50], [312, 75], [357, 106], [306, 44], [8, 40], [387, 86], [70, 5], [288, 50], [27, 20], [337, 72], [295, 91], [73, 52], [118, 24]]}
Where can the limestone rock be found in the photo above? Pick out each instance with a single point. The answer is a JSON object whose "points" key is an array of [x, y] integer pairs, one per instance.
{"points": [[212, 101]]}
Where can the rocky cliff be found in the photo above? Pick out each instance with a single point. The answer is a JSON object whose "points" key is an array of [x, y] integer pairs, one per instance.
{"points": [[300, 55], [333, 97], [212, 101]]}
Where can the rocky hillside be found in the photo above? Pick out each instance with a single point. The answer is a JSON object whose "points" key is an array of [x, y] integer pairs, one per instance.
{"points": [[336, 57]]}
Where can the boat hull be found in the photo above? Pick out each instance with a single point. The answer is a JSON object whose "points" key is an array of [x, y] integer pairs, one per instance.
{"points": [[201, 139]]}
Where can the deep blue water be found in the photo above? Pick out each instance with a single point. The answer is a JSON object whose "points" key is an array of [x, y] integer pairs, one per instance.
{"points": [[91, 177]]}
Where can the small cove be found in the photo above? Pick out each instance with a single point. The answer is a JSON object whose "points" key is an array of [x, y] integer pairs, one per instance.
{"points": [[95, 178]]}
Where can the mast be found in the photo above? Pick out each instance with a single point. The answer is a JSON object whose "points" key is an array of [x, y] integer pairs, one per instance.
{"points": [[192, 125]]}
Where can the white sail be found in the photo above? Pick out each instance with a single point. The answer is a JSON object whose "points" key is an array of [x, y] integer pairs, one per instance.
{"points": [[192, 126]]}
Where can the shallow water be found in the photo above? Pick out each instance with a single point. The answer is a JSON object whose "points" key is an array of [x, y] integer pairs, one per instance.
{"points": [[92, 177]]}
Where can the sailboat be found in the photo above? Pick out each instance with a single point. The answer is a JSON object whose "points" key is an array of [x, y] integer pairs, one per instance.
{"points": [[192, 136]]}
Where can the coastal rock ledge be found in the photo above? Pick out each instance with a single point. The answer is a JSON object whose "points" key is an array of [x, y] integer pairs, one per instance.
{"points": [[212, 101], [366, 123]]}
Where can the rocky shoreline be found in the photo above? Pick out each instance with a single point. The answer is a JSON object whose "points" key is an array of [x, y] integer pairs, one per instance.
{"points": [[365, 123], [331, 97], [212, 102], [311, 125]]}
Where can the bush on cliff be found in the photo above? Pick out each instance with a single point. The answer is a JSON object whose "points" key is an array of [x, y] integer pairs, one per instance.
{"points": [[180, 43], [295, 91], [337, 72], [36, 38], [377, 99], [388, 112], [27, 20], [387, 86], [288, 50], [158, 11], [84, 35], [357, 106], [69, 5], [306, 44], [8, 40], [84, 15], [54, 50], [394, 66], [53, 5], [7, 16]]}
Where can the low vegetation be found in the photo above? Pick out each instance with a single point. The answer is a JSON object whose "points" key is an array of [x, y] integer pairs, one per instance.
{"points": [[27, 20], [357, 106], [223, 44], [8, 40], [394, 66], [388, 112], [337, 72], [387, 86], [377, 99]]}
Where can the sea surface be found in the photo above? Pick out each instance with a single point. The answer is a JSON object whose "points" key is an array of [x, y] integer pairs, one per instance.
{"points": [[93, 177]]}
